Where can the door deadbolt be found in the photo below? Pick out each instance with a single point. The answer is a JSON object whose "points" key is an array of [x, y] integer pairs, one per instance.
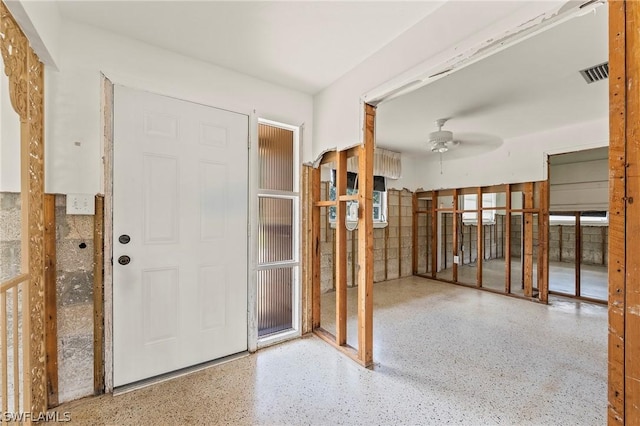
{"points": [[124, 238], [124, 260]]}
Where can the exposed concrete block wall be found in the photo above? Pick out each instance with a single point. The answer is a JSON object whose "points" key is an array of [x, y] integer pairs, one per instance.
{"points": [[594, 244], [10, 230], [74, 282], [392, 245], [74, 289]]}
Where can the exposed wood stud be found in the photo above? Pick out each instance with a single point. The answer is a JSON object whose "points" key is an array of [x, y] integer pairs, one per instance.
{"points": [[307, 268], [507, 241], [341, 250], [528, 240], [399, 233], [365, 240], [543, 243], [632, 218], [455, 235], [315, 241], [480, 238], [617, 242], [98, 297], [414, 233], [51, 304], [578, 253], [434, 234], [560, 242], [386, 252]]}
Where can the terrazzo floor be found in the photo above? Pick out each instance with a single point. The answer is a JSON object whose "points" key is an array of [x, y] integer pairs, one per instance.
{"points": [[443, 355]]}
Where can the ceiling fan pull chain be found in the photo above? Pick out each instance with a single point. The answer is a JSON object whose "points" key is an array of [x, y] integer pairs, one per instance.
{"points": [[440, 163]]}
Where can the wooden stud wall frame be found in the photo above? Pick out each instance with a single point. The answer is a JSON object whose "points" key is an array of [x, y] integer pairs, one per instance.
{"points": [[364, 276], [536, 202], [624, 214], [26, 90]]}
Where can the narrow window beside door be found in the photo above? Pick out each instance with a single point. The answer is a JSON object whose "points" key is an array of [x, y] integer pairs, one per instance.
{"points": [[278, 201]]}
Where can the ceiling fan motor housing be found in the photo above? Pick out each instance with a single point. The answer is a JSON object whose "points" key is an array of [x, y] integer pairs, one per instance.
{"points": [[440, 137]]}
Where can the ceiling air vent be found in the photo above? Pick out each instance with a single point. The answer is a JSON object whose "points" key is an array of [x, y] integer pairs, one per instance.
{"points": [[596, 73]]}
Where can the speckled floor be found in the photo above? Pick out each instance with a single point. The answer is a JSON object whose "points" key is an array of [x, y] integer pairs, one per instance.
{"points": [[443, 354]]}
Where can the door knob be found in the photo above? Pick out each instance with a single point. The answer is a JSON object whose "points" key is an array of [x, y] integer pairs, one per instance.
{"points": [[124, 260], [124, 238]]}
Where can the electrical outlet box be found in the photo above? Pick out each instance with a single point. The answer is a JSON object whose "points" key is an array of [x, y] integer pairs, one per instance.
{"points": [[82, 204], [456, 260]]}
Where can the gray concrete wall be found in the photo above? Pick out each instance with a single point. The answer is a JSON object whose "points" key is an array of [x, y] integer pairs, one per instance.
{"points": [[74, 282], [74, 289], [594, 244], [10, 229]]}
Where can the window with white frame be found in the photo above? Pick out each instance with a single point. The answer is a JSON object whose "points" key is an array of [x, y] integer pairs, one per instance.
{"points": [[379, 198], [470, 202]]}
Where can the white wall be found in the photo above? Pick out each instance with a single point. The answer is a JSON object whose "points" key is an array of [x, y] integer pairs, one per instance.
{"points": [[73, 99], [9, 141], [522, 159], [455, 30], [40, 21]]}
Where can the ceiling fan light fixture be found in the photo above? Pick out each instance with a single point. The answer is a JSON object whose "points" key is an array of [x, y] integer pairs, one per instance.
{"points": [[439, 147]]}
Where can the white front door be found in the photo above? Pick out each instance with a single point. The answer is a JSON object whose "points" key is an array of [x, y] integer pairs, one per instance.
{"points": [[180, 190]]}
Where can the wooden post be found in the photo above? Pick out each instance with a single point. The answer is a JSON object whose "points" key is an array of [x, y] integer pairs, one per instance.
{"points": [[543, 243], [98, 296], [365, 240], [414, 234], [50, 295], [621, 112], [507, 241], [528, 240], [434, 234], [315, 241], [455, 236], [578, 252], [560, 242], [307, 252], [399, 233], [480, 237], [341, 249]]}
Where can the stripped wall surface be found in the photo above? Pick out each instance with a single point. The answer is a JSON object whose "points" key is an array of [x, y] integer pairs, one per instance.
{"points": [[74, 289], [392, 249], [74, 283]]}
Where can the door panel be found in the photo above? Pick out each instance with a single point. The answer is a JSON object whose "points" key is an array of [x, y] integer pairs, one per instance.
{"points": [[180, 193]]}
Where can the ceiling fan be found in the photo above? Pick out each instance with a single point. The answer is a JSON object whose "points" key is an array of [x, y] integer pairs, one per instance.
{"points": [[441, 141]]}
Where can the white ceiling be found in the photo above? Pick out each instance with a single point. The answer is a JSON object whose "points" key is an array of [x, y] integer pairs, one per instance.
{"points": [[304, 45], [532, 86]]}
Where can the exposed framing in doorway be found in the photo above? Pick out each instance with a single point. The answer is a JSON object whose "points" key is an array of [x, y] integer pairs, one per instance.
{"points": [[364, 353], [535, 205]]}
